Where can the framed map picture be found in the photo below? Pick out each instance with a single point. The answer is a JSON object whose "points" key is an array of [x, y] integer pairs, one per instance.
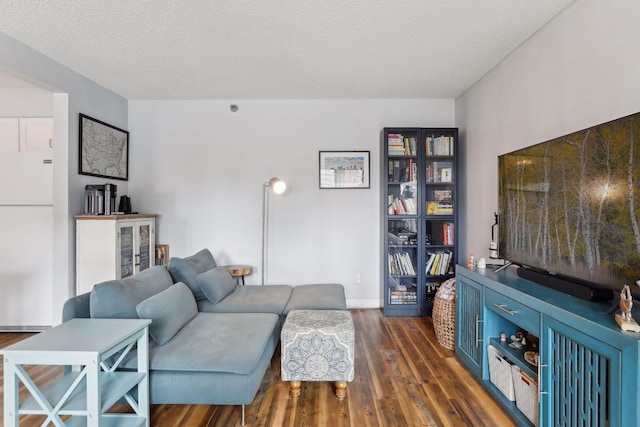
{"points": [[344, 169], [104, 149]]}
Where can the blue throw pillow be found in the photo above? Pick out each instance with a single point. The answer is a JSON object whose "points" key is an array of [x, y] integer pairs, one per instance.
{"points": [[169, 311], [118, 298], [186, 270], [216, 284]]}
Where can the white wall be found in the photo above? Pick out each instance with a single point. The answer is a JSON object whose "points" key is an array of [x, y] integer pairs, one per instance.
{"points": [[73, 94], [580, 70], [25, 102], [202, 168]]}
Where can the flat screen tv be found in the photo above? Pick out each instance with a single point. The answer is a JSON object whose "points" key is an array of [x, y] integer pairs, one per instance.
{"points": [[569, 208]]}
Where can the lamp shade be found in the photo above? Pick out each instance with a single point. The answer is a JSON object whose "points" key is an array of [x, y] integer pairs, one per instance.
{"points": [[277, 185]]}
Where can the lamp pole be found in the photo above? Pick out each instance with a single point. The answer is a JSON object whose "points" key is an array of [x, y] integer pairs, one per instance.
{"points": [[278, 186]]}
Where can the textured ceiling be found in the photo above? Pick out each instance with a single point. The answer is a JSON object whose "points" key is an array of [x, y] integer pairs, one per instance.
{"points": [[277, 49]]}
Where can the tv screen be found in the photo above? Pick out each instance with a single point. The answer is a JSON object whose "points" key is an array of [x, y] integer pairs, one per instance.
{"points": [[571, 206]]}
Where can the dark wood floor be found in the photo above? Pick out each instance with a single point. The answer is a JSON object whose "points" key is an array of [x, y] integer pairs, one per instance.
{"points": [[403, 378]]}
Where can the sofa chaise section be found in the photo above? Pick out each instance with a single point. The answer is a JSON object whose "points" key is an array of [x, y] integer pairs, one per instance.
{"points": [[216, 359]]}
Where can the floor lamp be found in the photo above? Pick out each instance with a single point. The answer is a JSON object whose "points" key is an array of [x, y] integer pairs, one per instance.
{"points": [[278, 186]]}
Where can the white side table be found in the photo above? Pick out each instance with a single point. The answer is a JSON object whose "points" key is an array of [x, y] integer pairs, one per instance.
{"points": [[93, 386]]}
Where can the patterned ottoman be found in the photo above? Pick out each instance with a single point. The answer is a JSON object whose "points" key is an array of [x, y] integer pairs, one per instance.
{"points": [[317, 345]]}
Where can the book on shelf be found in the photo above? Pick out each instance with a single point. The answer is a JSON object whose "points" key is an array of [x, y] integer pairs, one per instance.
{"points": [[401, 206], [442, 203], [400, 264], [443, 196], [439, 263], [394, 170], [400, 145], [395, 144], [448, 233], [435, 171], [432, 208], [436, 264], [411, 144], [445, 175], [410, 171], [402, 171], [430, 260], [400, 295], [437, 208], [439, 145], [444, 264]]}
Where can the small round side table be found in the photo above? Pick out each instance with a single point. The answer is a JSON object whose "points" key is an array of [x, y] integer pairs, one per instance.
{"points": [[238, 272]]}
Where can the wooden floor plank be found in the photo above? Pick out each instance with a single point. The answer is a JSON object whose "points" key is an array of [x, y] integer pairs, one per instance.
{"points": [[403, 377]]}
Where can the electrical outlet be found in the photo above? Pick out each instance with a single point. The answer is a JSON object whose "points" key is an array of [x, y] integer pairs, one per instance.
{"points": [[357, 279]]}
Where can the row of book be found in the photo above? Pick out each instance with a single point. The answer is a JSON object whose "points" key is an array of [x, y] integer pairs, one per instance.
{"points": [[401, 206], [439, 208], [402, 297], [439, 145], [440, 233], [442, 203], [397, 296], [402, 171], [400, 264], [399, 145], [440, 172], [448, 233], [439, 263]]}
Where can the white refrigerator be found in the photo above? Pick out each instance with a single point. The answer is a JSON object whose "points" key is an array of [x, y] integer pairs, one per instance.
{"points": [[26, 223]]}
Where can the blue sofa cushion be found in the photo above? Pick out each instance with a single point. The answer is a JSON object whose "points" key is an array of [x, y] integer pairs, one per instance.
{"points": [[118, 298], [169, 311], [216, 284], [215, 342], [186, 270], [251, 299]]}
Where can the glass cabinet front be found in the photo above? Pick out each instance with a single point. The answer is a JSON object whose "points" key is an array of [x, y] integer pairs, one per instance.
{"points": [[144, 231], [419, 211], [126, 251], [403, 261]]}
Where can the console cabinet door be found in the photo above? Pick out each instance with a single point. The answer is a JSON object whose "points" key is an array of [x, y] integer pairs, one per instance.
{"points": [[145, 244], [580, 378], [470, 324], [136, 243]]}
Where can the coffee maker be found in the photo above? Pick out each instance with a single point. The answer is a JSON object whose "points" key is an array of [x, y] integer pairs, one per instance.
{"points": [[100, 199]]}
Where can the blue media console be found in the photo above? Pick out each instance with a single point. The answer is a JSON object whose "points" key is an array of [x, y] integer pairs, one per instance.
{"points": [[588, 371]]}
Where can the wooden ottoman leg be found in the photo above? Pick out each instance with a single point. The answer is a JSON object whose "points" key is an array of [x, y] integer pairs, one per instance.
{"points": [[341, 389], [294, 389]]}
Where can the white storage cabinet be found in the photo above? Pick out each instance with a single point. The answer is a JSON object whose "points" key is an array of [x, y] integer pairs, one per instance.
{"points": [[112, 247]]}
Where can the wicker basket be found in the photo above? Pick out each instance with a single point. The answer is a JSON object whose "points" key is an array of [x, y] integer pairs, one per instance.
{"points": [[444, 321], [526, 392], [500, 372]]}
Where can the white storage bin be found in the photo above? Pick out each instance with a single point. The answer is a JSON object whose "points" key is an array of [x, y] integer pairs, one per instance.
{"points": [[526, 391], [500, 372]]}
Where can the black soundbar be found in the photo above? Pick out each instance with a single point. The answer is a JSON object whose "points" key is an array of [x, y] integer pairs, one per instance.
{"points": [[566, 286]]}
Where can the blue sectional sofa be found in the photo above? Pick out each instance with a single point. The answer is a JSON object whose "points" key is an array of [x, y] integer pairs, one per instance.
{"points": [[212, 341]]}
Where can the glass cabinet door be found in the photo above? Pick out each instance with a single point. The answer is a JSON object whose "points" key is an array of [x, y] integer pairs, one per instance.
{"points": [[440, 197], [126, 251], [403, 258], [144, 233], [402, 234]]}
